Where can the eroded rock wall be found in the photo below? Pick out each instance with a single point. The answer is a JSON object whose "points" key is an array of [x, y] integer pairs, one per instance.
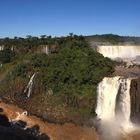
{"points": [[135, 100]]}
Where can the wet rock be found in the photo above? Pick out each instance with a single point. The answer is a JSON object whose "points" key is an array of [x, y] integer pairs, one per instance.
{"points": [[135, 100], [17, 130], [19, 124], [4, 121], [1, 110]]}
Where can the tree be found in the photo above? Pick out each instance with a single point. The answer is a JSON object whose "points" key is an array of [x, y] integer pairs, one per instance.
{"points": [[43, 36], [29, 36], [6, 55]]}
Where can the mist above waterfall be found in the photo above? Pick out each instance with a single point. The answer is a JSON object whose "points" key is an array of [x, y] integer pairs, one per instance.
{"points": [[113, 107]]}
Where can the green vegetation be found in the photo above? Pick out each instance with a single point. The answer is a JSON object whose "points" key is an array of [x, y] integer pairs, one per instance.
{"points": [[68, 76], [6, 56], [75, 69]]}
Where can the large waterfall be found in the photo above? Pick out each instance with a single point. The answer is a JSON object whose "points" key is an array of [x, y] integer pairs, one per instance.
{"points": [[113, 105], [113, 101], [106, 101], [125, 52], [114, 98]]}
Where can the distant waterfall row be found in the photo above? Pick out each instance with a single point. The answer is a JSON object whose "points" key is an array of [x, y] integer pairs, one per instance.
{"points": [[124, 52]]}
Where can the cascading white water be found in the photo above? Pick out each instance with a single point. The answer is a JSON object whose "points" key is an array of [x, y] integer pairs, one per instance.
{"points": [[106, 100], [128, 52], [113, 101], [124, 101], [29, 86], [114, 107], [1, 47]]}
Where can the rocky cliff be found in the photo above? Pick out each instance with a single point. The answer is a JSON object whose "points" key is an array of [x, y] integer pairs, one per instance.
{"points": [[135, 100]]}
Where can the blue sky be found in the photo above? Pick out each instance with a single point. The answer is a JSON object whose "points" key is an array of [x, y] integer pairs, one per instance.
{"points": [[60, 17]]}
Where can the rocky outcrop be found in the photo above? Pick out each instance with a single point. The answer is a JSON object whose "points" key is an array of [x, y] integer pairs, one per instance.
{"points": [[135, 100], [17, 130], [122, 70]]}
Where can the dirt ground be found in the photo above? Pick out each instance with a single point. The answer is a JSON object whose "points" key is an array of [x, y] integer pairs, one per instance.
{"points": [[67, 131]]}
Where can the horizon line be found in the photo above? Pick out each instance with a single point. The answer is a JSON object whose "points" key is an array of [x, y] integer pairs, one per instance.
{"points": [[55, 36]]}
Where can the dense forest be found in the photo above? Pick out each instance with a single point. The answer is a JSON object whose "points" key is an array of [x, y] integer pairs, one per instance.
{"points": [[67, 71]]}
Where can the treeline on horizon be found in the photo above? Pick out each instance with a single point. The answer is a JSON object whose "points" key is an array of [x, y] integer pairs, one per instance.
{"points": [[114, 39], [22, 45], [32, 41]]}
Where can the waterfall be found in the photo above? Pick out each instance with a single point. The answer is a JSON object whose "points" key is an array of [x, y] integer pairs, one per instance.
{"points": [[106, 100], [119, 51], [129, 54], [45, 49], [113, 101], [1, 47], [123, 101], [114, 107], [29, 86]]}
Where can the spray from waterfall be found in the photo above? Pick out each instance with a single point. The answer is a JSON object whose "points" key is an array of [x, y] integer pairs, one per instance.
{"points": [[114, 107]]}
